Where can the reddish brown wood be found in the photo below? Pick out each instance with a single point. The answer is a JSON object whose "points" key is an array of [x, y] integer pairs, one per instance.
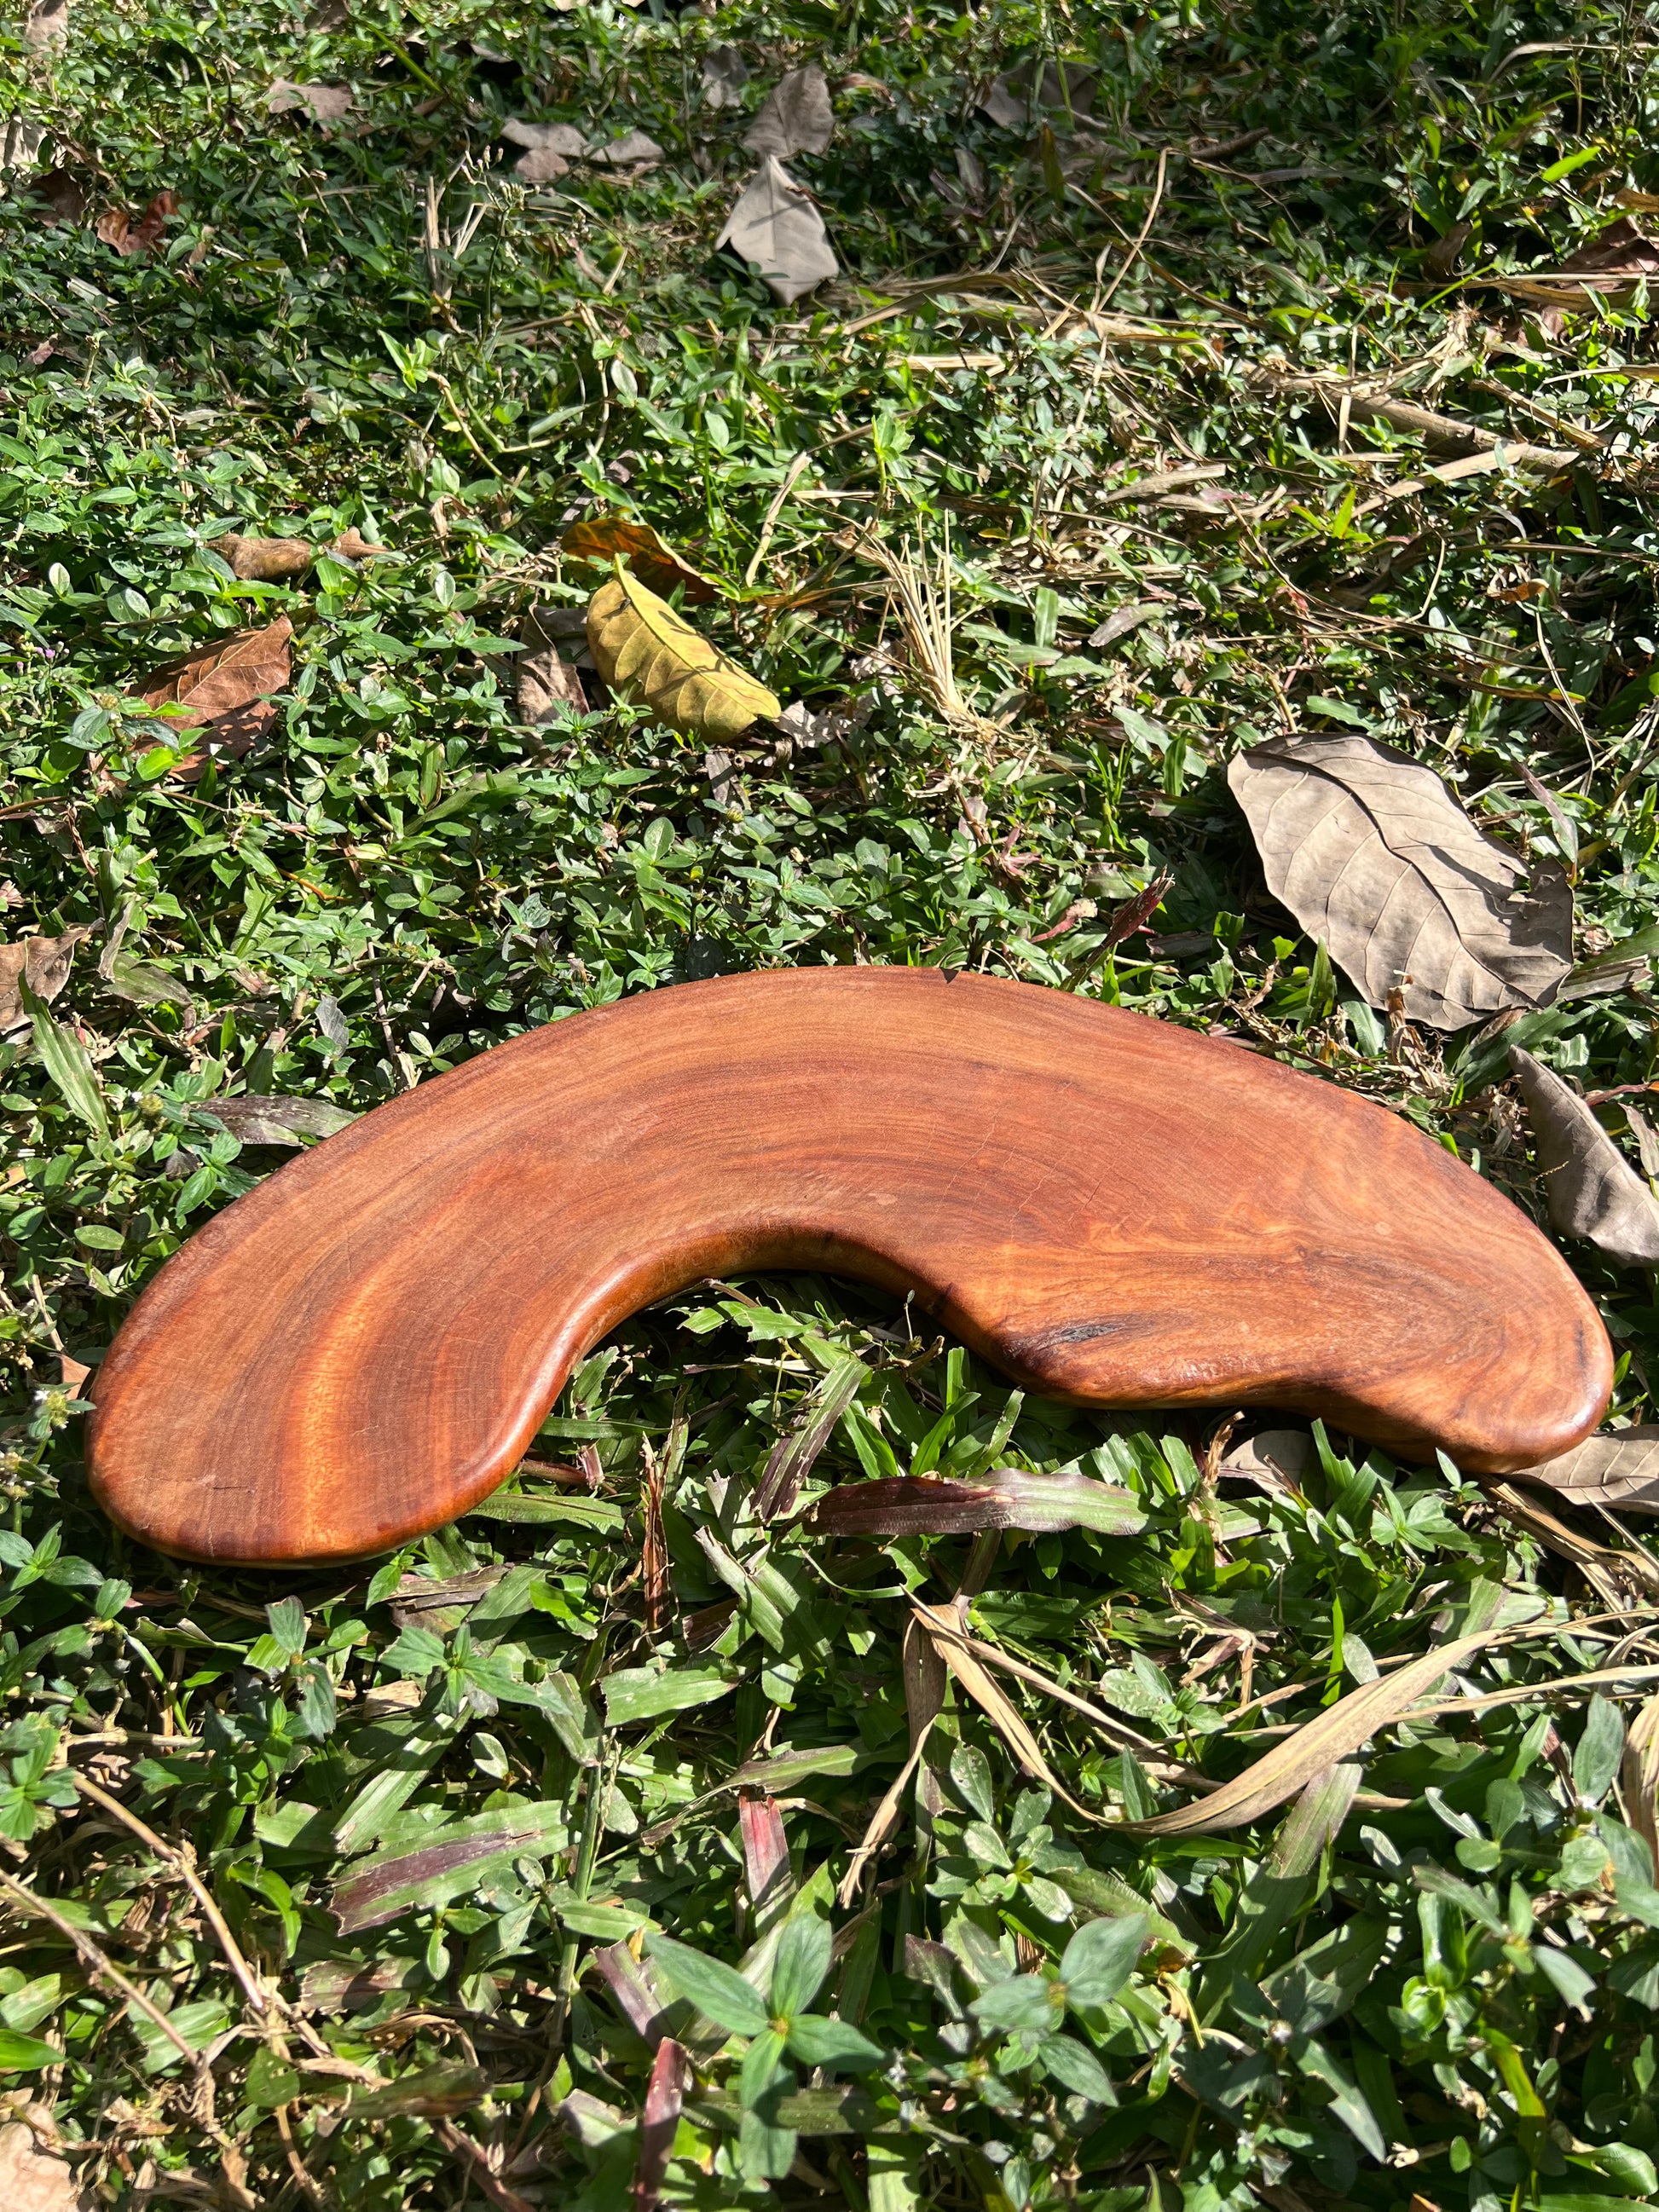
{"points": [[1117, 1212]]}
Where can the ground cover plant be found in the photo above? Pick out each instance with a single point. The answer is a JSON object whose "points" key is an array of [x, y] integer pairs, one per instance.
{"points": [[1202, 401]]}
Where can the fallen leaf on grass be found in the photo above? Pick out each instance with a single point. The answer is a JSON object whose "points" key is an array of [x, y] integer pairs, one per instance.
{"points": [[634, 150], [644, 650], [33, 2178], [1062, 87], [1334, 1736], [1621, 1469], [1619, 258], [255, 1119], [322, 103], [118, 229], [1370, 852], [551, 148], [276, 560], [775, 225], [42, 963], [1007, 1497], [46, 25], [725, 73], [265, 560], [546, 684], [64, 197], [1592, 1190], [796, 117], [20, 142], [223, 688], [603, 538], [1276, 1458]]}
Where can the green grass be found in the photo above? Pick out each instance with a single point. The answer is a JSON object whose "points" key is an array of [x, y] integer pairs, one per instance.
{"points": [[1464, 1978]]}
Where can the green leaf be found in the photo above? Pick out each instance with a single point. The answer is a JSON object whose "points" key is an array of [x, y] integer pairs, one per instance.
{"points": [[1100, 1959], [1596, 1757], [1025, 2004], [802, 1962], [763, 2067], [25, 2054], [645, 1693], [1077, 2069], [818, 2041], [66, 1060], [714, 1988]]}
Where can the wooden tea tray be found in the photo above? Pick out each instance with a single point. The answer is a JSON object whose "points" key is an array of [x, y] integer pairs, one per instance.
{"points": [[1115, 1210]]}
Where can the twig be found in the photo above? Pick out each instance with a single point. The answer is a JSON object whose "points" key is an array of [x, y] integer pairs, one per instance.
{"points": [[1132, 255], [489, 2180], [779, 502], [186, 1872], [105, 1970]]}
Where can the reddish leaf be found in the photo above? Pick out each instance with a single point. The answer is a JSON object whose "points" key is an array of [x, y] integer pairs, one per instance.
{"points": [[661, 2124], [767, 1875], [118, 229], [604, 538], [1007, 1498], [224, 687]]}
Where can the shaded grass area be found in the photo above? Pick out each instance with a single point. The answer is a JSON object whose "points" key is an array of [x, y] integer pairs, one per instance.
{"points": [[423, 1797]]}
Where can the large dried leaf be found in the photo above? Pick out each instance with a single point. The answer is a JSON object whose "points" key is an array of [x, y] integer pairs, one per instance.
{"points": [[1370, 852], [547, 684], [1621, 1469], [324, 103], [634, 150], [645, 650], [1063, 87], [1007, 1497], [33, 2178], [129, 235], [551, 148], [725, 73], [796, 117], [775, 226], [265, 559], [46, 26], [604, 538], [42, 963], [1334, 1736], [1592, 1190], [225, 688], [1640, 1777]]}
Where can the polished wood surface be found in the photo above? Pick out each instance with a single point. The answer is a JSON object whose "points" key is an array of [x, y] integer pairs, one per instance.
{"points": [[1115, 1211]]}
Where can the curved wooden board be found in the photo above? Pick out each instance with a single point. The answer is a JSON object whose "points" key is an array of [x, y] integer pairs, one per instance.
{"points": [[1117, 1212]]}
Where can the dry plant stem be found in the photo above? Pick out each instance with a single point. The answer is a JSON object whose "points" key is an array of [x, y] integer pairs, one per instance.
{"points": [[186, 1872], [881, 1821], [780, 501], [104, 1968], [478, 2166], [1144, 232], [1519, 1695]]}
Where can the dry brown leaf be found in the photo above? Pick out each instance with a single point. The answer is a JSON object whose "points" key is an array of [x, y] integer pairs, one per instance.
{"points": [[1619, 1578], [265, 560], [1621, 253], [635, 150], [1276, 1458], [551, 148], [118, 229], [1621, 1469], [944, 1631], [1640, 1777], [881, 1822], [352, 545], [775, 225], [796, 117], [65, 200], [1370, 852], [224, 687], [322, 103], [725, 73], [20, 142], [645, 650], [1330, 1738], [33, 2178], [1063, 86], [1593, 1191], [46, 25], [603, 538], [44, 963], [546, 684]]}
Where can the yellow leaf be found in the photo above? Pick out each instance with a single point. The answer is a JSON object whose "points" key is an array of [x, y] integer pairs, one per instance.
{"points": [[645, 651], [603, 538]]}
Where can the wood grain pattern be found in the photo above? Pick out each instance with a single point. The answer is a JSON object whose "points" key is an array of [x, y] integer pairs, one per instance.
{"points": [[1117, 1212]]}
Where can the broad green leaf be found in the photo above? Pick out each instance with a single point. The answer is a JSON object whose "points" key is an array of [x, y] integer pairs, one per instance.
{"points": [[818, 2041], [713, 1987], [67, 1062], [25, 2054], [1100, 1959], [645, 1693], [801, 1963], [1027, 2003]]}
